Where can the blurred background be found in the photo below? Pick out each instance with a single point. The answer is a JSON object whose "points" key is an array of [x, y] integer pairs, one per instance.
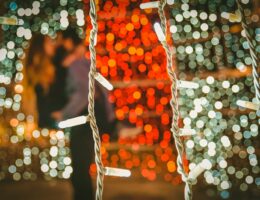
{"points": [[35, 162]]}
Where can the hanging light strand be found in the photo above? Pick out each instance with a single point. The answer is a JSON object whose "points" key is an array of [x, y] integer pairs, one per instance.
{"points": [[252, 51], [91, 100], [174, 104]]}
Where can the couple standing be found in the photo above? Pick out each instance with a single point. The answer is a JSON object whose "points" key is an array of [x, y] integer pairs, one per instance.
{"points": [[57, 72]]}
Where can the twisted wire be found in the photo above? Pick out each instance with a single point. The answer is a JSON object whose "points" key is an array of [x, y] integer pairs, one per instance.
{"points": [[174, 104], [252, 51], [91, 100]]}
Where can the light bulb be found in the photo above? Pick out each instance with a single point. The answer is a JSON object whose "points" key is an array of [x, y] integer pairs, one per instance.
{"points": [[188, 84], [110, 171], [249, 105], [187, 132], [225, 141], [103, 81], [148, 5], [199, 169], [231, 17], [170, 2], [8, 21], [73, 122], [159, 32]]}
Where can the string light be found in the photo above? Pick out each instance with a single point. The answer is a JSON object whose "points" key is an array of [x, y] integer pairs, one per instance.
{"points": [[249, 105], [231, 17], [199, 169], [159, 32], [149, 5], [8, 21], [174, 101], [103, 81], [188, 84], [187, 132], [215, 147], [91, 101], [73, 122], [110, 171]]}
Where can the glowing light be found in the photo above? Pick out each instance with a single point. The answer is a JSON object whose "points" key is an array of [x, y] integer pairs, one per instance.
{"points": [[103, 81], [231, 17], [225, 141], [249, 105], [110, 171], [187, 132], [149, 5], [8, 21], [188, 84], [73, 122], [201, 167], [170, 2], [159, 32]]}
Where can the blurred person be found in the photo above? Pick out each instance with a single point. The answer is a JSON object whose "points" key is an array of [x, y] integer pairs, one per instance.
{"points": [[39, 76], [81, 139]]}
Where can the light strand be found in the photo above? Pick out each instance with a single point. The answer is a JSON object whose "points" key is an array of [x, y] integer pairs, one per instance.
{"points": [[91, 100], [252, 51], [174, 104]]}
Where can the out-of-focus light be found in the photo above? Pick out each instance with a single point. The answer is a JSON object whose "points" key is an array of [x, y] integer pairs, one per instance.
{"points": [[73, 122], [249, 105], [148, 5], [201, 167], [187, 132], [231, 17], [170, 2], [188, 84], [159, 32], [103, 81], [8, 21], [225, 141], [110, 171]]}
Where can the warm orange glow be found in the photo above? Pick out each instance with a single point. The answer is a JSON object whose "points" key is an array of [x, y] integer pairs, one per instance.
{"points": [[137, 95], [110, 37], [111, 63], [130, 27], [148, 128], [139, 51], [142, 67], [132, 50], [18, 88], [171, 166], [14, 122]]}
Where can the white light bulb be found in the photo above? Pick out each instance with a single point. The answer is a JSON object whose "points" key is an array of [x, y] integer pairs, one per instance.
{"points": [[225, 141], [249, 105], [110, 171], [187, 132], [148, 5], [199, 169], [159, 32], [170, 2], [103, 81], [73, 122], [188, 84]]}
